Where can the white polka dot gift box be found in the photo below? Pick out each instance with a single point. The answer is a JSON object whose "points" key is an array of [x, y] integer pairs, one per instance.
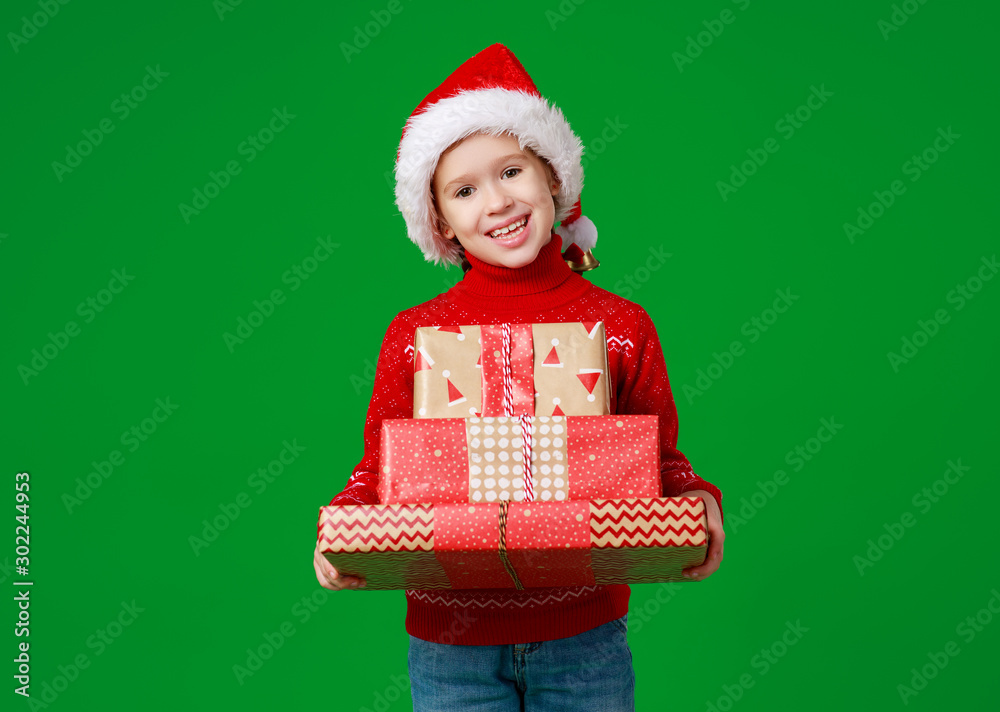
{"points": [[541, 369], [515, 545], [481, 460]]}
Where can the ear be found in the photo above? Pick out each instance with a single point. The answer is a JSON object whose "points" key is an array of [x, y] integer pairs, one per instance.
{"points": [[443, 227], [555, 185]]}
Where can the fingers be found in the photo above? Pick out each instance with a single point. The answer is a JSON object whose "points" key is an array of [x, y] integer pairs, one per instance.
{"points": [[716, 542], [711, 563], [335, 582], [330, 578]]}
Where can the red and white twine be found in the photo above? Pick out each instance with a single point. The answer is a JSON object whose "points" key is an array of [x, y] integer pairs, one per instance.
{"points": [[508, 410], [529, 489], [508, 380]]}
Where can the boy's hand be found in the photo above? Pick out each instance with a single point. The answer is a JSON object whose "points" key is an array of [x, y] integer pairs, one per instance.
{"points": [[330, 578], [715, 534]]}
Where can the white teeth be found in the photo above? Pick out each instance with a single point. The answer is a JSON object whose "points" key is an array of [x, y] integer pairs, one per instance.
{"points": [[513, 227]]}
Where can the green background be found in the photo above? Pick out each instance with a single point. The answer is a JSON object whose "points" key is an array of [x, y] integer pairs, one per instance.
{"points": [[304, 375]]}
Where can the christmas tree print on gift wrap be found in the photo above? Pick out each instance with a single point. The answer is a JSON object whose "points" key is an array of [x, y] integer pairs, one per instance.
{"points": [[555, 369]]}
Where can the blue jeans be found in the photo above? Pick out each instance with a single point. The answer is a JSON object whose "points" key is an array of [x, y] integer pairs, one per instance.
{"points": [[587, 672]]}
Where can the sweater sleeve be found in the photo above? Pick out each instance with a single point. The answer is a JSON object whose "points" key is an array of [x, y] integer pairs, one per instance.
{"points": [[644, 389], [392, 397]]}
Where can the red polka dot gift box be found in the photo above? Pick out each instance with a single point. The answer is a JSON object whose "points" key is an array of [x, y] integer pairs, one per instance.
{"points": [[489, 370], [481, 460], [515, 545]]}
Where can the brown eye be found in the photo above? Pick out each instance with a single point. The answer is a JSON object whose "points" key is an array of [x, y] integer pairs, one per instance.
{"points": [[511, 172], [464, 192]]}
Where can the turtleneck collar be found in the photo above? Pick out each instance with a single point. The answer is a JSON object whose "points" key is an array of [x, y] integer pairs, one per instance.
{"points": [[545, 283], [548, 271]]}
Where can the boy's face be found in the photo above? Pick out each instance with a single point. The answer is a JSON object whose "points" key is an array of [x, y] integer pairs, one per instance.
{"points": [[488, 183]]}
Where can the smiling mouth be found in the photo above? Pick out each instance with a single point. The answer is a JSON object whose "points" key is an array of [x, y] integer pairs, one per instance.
{"points": [[510, 231]]}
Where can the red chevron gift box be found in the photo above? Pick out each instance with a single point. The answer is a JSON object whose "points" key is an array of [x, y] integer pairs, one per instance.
{"points": [[515, 545], [535, 369], [473, 460]]}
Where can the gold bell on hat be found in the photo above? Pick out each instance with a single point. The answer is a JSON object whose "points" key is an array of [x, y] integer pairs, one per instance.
{"points": [[578, 232], [583, 263]]}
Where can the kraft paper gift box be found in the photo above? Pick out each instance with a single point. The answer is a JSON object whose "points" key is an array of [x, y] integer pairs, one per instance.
{"points": [[553, 369], [473, 460], [515, 545]]}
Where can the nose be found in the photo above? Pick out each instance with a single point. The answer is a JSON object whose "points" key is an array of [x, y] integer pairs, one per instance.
{"points": [[497, 198]]}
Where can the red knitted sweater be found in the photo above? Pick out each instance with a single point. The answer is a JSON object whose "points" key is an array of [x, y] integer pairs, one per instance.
{"points": [[544, 291]]}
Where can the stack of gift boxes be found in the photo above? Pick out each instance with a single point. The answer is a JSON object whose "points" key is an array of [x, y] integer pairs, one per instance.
{"points": [[460, 510]]}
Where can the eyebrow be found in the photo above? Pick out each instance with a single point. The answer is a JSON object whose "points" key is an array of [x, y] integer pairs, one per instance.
{"points": [[464, 178]]}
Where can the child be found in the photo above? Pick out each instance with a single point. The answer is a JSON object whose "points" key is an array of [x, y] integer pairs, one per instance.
{"points": [[485, 168]]}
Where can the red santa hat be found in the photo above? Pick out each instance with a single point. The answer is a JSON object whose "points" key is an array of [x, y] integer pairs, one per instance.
{"points": [[490, 93]]}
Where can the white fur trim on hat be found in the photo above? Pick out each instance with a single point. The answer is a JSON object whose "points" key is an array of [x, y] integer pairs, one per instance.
{"points": [[536, 124], [581, 232]]}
